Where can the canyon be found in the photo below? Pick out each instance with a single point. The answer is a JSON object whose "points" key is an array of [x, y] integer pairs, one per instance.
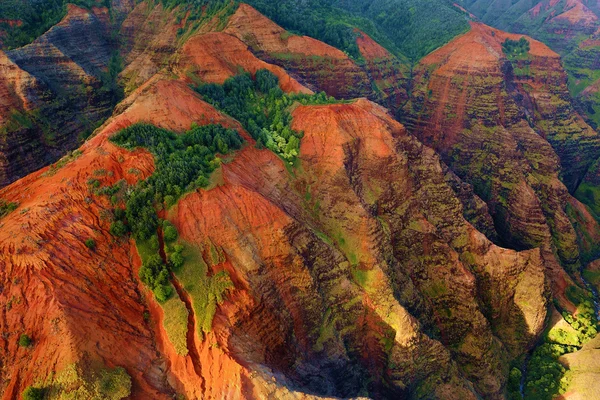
{"points": [[436, 229]]}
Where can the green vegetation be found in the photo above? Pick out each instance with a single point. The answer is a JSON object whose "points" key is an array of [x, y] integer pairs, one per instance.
{"points": [[7, 207], [516, 49], [35, 18], [54, 168], [90, 244], [205, 291], [79, 382], [263, 109], [411, 28], [546, 376], [113, 384], [589, 194], [32, 393], [25, 340], [513, 387], [183, 163]]}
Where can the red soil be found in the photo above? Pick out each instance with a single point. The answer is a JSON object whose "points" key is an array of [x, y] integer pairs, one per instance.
{"points": [[54, 282], [216, 56], [370, 49], [479, 49], [250, 26]]}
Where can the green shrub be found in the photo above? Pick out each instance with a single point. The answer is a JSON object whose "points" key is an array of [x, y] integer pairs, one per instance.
{"points": [[7, 207], [114, 384], [32, 393], [516, 48], [90, 244], [25, 340], [169, 232]]}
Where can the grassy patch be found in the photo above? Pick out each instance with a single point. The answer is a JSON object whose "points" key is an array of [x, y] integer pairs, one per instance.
{"points": [[54, 168], [7, 207], [85, 381], [205, 291]]}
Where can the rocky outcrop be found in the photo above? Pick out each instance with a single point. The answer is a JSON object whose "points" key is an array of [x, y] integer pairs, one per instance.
{"points": [[46, 83], [315, 64], [387, 72], [503, 126]]}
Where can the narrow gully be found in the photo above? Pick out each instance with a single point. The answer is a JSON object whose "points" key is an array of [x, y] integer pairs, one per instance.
{"points": [[191, 324]]}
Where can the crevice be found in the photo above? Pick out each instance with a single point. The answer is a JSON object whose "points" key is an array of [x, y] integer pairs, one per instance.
{"points": [[191, 324]]}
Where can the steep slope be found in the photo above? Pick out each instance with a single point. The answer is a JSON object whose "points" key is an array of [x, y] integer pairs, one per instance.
{"points": [[358, 269], [568, 27], [53, 79], [504, 126], [560, 24], [409, 28], [317, 65]]}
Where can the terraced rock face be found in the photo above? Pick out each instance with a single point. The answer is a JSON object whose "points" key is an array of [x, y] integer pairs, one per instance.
{"points": [[560, 24], [47, 83], [387, 72], [317, 65], [505, 126]]}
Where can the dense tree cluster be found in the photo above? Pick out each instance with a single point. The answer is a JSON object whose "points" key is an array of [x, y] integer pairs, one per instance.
{"points": [[545, 372], [546, 376], [516, 48], [412, 28], [262, 108], [183, 163]]}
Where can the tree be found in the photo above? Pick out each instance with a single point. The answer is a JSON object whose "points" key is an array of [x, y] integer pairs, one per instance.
{"points": [[169, 232], [118, 229]]}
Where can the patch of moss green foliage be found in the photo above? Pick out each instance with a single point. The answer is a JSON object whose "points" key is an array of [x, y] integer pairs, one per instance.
{"points": [[262, 108], [54, 168], [6, 207], [83, 382], [25, 340], [589, 194], [32, 393], [35, 17], [516, 49], [205, 291], [546, 376], [513, 386], [411, 28]]}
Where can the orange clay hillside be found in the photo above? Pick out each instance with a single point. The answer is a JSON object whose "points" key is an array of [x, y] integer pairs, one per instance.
{"points": [[469, 93]]}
